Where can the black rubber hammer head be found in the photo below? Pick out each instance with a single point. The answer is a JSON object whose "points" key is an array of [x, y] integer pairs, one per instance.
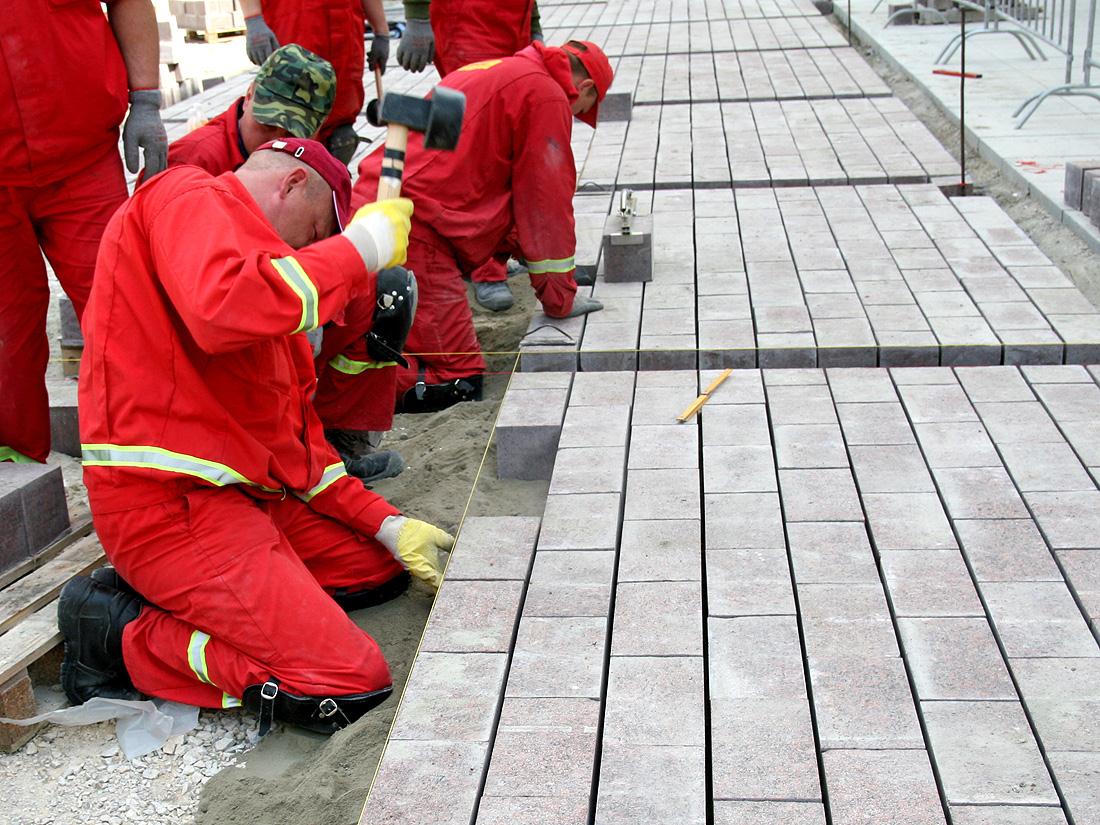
{"points": [[438, 117]]}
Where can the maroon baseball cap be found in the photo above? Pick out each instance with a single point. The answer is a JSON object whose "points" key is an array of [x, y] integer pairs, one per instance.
{"points": [[597, 65], [321, 161]]}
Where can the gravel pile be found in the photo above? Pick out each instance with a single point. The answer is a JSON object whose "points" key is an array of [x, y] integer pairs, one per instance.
{"points": [[78, 776]]}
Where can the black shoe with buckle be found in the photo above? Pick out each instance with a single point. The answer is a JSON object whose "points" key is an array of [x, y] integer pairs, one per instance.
{"points": [[91, 616], [316, 713]]}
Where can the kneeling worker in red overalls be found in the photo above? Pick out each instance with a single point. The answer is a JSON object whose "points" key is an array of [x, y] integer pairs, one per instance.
{"points": [[237, 538]]}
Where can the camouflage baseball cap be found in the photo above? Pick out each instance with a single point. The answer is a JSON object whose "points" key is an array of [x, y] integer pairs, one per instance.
{"points": [[294, 89]]}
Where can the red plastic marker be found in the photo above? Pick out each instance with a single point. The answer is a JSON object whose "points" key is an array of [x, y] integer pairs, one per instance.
{"points": [[952, 73]]}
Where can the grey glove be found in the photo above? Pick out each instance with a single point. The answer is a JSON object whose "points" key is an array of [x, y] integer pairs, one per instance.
{"points": [[582, 305], [260, 40], [145, 129], [379, 52], [417, 46]]}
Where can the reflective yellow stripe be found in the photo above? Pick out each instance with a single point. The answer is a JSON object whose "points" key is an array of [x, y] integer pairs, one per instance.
{"points": [[481, 64], [550, 266], [156, 458], [230, 701], [348, 366], [303, 287], [196, 656], [332, 473], [9, 454]]}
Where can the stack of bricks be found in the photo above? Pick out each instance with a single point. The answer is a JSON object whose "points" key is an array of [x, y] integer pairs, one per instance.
{"points": [[1082, 189], [208, 15]]}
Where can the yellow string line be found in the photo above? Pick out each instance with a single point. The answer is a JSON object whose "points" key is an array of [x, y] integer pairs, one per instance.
{"points": [[419, 644]]}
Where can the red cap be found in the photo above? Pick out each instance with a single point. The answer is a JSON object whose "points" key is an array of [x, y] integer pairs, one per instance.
{"points": [[321, 161], [598, 67]]}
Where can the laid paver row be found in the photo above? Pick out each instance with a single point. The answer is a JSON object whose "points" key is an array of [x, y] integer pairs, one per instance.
{"points": [[665, 11], [762, 144]]}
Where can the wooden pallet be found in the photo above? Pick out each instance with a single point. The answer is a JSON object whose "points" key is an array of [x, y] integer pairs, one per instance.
{"points": [[212, 36], [28, 622]]}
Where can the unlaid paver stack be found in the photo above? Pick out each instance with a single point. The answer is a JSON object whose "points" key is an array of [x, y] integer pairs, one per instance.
{"points": [[860, 586]]}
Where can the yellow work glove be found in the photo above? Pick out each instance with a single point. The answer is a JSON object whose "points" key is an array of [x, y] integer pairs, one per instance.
{"points": [[380, 232], [418, 545]]}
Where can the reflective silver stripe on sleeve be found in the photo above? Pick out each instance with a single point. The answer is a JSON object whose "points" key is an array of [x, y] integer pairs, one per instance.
{"points": [[297, 279], [551, 266], [332, 473], [196, 656], [157, 458]]}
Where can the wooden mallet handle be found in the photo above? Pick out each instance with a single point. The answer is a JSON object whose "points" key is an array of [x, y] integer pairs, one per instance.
{"points": [[393, 162]]}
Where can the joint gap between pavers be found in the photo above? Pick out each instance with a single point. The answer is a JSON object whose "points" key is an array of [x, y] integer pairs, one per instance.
{"points": [[985, 607], [823, 784], [941, 791], [708, 739]]}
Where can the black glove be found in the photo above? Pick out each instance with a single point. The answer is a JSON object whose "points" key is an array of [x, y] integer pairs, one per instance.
{"points": [[379, 52]]}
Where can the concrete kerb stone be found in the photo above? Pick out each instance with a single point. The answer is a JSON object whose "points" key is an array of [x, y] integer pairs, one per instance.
{"points": [[528, 430], [32, 508]]}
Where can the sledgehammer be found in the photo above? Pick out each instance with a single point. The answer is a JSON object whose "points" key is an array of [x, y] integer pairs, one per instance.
{"points": [[438, 117]]}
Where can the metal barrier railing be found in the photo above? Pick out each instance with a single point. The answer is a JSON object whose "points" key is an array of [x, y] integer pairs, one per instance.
{"points": [[1068, 89]]}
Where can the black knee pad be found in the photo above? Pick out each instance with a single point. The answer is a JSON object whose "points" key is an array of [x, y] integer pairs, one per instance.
{"points": [[351, 600], [394, 311], [423, 398], [320, 714]]}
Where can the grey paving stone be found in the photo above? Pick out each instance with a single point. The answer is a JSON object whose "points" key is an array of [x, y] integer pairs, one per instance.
{"points": [[494, 547], [1006, 550], [657, 494], [801, 405], [994, 384], [544, 747], [819, 495], [658, 619], [604, 389], [922, 375], [810, 446], [587, 521], [664, 447], [863, 702], [861, 386], [1082, 569], [1019, 421], [846, 619], [1079, 778], [929, 583], [660, 550], [954, 659], [768, 813], [598, 425], [540, 381], [558, 657], [414, 776], [642, 692], [749, 583], [473, 617], [1071, 402], [1063, 698], [957, 445], [64, 417], [589, 470], [936, 403], [908, 521], [986, 754], [1038, 619], [891, 469], [755, 657], [1068, 520], [1062, 374], [884, 787], [651, 783], [831, 552], [743, 521], [32, 501], [735, 425], [1006, 815], [570, 583], [738, 469], [1046, 468], [660, 405], [527, 432], [979, 492], [518, 810], [763, 749], [451, 696], [742, 387], [875, 423]]}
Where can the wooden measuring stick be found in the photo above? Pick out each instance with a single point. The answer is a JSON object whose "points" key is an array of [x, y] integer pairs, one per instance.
{"points": [[698, 403]]}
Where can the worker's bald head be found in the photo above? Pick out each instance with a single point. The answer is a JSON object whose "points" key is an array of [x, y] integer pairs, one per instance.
{"points": [[293, 196]]}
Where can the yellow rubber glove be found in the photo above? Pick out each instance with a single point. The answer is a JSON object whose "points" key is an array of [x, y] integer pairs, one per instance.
{"points": [[418, 545], [380, 232]]}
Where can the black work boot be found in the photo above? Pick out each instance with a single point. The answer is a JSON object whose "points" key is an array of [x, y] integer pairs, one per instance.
{"points": [[91, 616], [110, 577], [371, 467]]}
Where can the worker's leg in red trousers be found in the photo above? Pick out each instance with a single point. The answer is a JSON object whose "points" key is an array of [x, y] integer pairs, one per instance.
{"points": [[237, 585], [442, 341], [494, 270], [354, 392], [66, 221]]}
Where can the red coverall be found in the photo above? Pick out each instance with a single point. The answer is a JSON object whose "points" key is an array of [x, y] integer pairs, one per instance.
{"points": [[334, 30], [62, 94], [469, 32], [512, 171], [211, 484], [217, 147]]}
